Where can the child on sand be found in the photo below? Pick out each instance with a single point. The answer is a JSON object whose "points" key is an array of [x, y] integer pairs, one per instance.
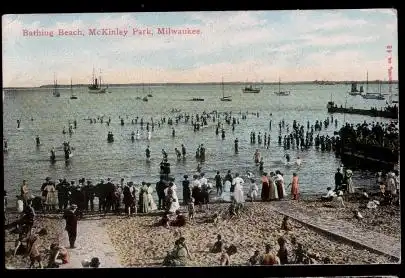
{"points": [[255, 259], [191, 209], [268, 258], [254, 189], [217, 245]]}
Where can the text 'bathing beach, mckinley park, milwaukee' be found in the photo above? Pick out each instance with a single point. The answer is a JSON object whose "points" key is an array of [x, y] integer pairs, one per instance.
{"points": [[221, 139], [113, 32]]}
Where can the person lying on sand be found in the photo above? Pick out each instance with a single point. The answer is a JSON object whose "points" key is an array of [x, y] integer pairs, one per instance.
{"points": [[255, 259], [217, 245], [164, 221], [180, 220], [212, 219]]}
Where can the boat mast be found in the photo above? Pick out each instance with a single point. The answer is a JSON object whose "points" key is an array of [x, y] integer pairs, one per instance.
{"points": [[71, 86], [94, 76], [223, 93], [367, 84], [99, 81], [279, 85]]}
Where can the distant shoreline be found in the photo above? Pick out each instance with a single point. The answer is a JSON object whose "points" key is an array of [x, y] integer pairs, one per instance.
{"points": [[325, 83]]}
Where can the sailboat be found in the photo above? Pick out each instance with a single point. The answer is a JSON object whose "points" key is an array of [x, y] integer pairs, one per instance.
{"points": [[95, 88], [368, 95], [281, 93], [55, 91], [73, 95], [354, 91], [251, 89], [224, 98], [150, 92], [143, 91]]}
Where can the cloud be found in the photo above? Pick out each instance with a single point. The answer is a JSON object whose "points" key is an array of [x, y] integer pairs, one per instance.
{"points": [[342, 39], [236, 45]]}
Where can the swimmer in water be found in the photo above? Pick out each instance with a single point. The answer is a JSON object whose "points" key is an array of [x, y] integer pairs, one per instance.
{"points": [[53, 156], [299, 161], [287, 157]]}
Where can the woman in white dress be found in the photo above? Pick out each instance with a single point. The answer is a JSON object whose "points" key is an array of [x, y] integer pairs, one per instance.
{"points": [[238, 193], [149, 135], [238, 190], [137, 135], [152, 205], [51, 198], [175, 205], [350, 188]]}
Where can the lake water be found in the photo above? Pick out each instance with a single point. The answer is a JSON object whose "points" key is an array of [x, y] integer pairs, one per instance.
{"points": [[95, 158]]}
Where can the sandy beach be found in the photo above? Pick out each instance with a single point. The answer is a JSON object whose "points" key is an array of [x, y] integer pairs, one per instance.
{"points": [[139, 243], [383, 219]]}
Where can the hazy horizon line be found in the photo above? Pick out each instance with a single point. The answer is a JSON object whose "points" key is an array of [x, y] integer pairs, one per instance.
{"points": [[320, 82]]}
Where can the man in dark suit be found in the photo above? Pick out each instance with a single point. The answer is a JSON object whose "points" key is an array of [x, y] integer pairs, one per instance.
{"points": [[70, 216], [338, 179], [160, 190]]}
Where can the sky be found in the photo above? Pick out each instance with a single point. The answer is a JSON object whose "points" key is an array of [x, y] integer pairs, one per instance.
{"points": [[253, 46]]}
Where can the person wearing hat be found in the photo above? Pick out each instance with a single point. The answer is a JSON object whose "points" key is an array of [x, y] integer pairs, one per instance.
{"points": [[338, 179], [129, 199], [101, 195], [71, 218], [63, 194], [349, 181], [43, 191], [160, 190], [186, 190], [109, 198], [89, 194], [152, 205]]}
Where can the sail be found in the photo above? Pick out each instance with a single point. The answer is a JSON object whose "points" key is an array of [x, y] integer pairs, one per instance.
{"points": [[354, 87]]}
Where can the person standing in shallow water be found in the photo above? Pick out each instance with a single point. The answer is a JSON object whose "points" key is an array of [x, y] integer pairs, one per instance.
{"points": [[147, 151]]}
